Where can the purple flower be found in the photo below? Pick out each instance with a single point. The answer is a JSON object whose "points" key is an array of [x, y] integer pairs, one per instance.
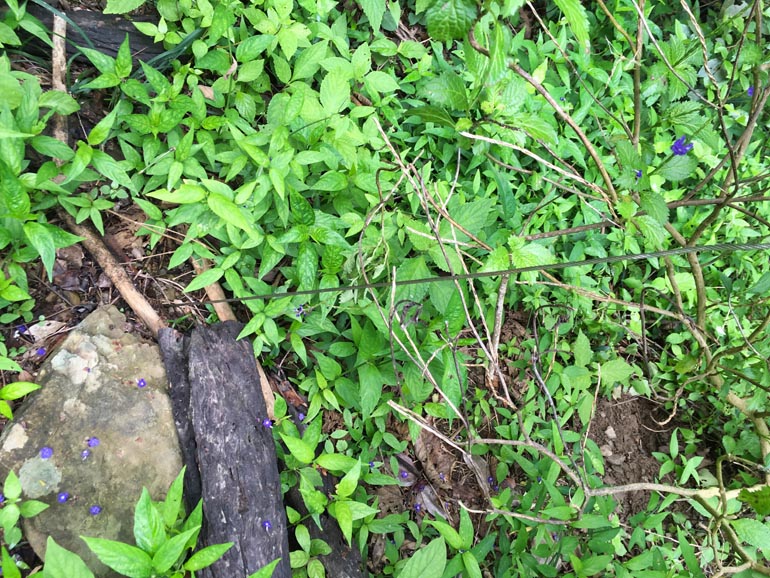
{"points": [[141, 382], [40, 351], [404, 475], [63, 497], [267, 525], [93, 442], [85, 454], [301, 416], [638, 173], [371, 465], [22, 329], [490, 480], [442, 477], [750, 91], [681, 147], [267, 422], [300, 312], [46, 452], [2, 498], [418, 508], [95, 510]]}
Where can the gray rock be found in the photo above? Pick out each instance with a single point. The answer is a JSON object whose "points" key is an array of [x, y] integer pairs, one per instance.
{"points": [[90, 390]]}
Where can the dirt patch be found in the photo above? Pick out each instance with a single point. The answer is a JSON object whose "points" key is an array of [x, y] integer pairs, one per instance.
{"points": [[626, 432]]}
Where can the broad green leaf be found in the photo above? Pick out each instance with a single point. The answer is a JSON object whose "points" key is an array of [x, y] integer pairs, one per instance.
{"points": [[450, 19], [52, 147], [123, 558], [228, 211], [14, 293], [335, 462], [300, 449], [472, 568], [61, 563], [427, 562], [466, 529], [582, 350], [266, 571], [122, 6], [10, 570], [104, 63], [12, 486], [577, 18], [753, 532], [448, 90], [123, 60], [31, 508], [42, 240], [655, 205], [307, 265], [374, 11], [762, 286], [678, 168], [173, 500], [59, 101], [205, 279], [341, 511], [370, 388], [187, 193], [149, 530], [170, 551], [448, 533], [335, 92], [7, 36], [110, 168], [435, 115], [381, 81], [101, 131], [758, 500], [616, 371], [348, 484]]}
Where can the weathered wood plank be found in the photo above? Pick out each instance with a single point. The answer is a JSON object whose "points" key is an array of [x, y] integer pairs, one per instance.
{"points": [[235, 454]]}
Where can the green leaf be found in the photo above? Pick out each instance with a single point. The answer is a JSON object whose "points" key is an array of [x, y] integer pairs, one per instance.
{"points": [[762, 286], [374, 11], [123, 60], [149, 531], [173, 501], [677, 168], [10, 570], [300, 449], [104, 64], [12, 486], [335, 462], [577, 18], [122, 6], [616, 371], [205, 279], [434, 114], [31, 508], [170, 551], [266, 571], [229, 212], [448, 90], [472, 568], [185, 194], [123, 558], [466, 529], [42, 240], [111, 169], [582, 350], [427, 562], [307, 265], [370, 388], [101, 131], [61, 563], [341, 511], [655, 205], [349, 482], [52, 147], [301, 211], [450, 19], [17, 389], [58, 101], [381, 81], [759, 500], [335, 92], [753, 532], [448, 533]]}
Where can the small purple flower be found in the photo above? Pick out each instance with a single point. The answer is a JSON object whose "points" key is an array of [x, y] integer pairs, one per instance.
{"points": [[418, 508], [638, 173], [46, 452], [301, 416], [750, 91], [490, 480], [267, 525], [268, 423], [22, 329], [2, 498], [681, 147], [404, 475], [442, 477], [40, 351], [141, 382], [84, 455], [300, 312], [63, 497], [371, 465], [93, 442], [95, 510]]}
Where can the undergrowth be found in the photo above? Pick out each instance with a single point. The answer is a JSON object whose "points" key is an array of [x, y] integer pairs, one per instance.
{"points": [[343, 150]]}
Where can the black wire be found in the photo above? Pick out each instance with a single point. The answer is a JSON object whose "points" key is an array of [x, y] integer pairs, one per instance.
{"points": [[728, 247]]}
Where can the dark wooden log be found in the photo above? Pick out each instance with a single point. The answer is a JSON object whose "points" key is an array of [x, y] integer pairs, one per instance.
{"points": [[234, 453], [105, 31]]}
